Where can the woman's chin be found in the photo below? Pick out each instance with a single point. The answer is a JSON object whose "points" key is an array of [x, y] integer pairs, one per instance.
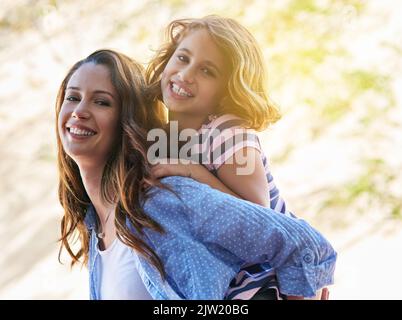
{"points": [[79, 153]]}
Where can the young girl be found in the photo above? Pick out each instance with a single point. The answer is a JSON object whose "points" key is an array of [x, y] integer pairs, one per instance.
{"points": [[141, 240], [211, 77]]}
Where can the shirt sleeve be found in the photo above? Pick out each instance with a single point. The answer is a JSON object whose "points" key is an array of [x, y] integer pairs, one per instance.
{"points": [[304, 260], [226, 136], [227, 143]]}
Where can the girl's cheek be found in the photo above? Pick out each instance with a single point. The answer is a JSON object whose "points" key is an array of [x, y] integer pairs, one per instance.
{"points": [[163, 75], [165, 72]]}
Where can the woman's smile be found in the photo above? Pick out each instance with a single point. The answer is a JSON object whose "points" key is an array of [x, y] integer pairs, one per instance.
{"points": [[80, 132], [89, 113]]}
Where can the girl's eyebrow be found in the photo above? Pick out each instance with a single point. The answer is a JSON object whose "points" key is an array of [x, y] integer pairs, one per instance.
{"points": [[207, 62], [96, 91], [186, 50]]}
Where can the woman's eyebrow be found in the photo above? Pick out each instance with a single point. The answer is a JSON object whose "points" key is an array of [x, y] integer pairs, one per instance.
{"points": [[96, 91], [105, 92]]}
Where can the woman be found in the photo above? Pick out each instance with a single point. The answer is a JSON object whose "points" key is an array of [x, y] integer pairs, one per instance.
{"points": [[135, 231]]}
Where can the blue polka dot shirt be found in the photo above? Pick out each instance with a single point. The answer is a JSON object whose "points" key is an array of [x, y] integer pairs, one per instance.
{"points": [[209, 235]]}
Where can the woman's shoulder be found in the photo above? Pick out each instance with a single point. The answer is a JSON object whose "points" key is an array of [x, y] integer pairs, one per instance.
{"points": [[175, 188], [180, 186], [183, 190], [182, 197]]}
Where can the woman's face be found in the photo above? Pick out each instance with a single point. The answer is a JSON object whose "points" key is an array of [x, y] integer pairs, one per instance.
{"points": [[195, 77], [89, 115]]}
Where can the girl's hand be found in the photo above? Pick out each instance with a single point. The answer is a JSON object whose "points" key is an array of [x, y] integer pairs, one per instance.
{"points": [[192, 170], [325, 294], [167, 170]]}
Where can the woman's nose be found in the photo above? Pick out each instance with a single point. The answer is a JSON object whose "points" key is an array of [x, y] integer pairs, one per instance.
{"points": [[81, 110]]}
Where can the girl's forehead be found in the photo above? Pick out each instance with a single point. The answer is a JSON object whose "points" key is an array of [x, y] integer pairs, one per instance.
{"points": [[200, 41], [200, 44], [199, 34]]}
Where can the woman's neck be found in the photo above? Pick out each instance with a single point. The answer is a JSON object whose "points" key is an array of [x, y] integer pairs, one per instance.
{"points": [[91, 178], [187, 121]]}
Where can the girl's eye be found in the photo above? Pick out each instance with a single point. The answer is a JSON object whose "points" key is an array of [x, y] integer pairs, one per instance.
{"points": [[208, 72], [103, 103], [182, 58]]}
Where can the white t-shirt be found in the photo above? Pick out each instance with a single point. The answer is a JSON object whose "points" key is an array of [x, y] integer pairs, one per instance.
{"points": [[120, 279]]}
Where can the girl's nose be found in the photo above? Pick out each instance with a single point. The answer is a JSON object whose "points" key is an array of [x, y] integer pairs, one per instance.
{"points": [[186, 75], [81, 110]]}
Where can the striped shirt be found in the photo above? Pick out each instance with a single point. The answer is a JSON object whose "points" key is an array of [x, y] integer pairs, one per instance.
{"points": [[218, 140]]}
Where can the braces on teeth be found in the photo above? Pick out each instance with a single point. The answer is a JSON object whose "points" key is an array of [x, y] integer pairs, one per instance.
{"points": [[180, 91]]}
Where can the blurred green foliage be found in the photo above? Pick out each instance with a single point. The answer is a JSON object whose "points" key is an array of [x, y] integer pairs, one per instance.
{"points": [[24, 15], [361, 80], [373, 185]]}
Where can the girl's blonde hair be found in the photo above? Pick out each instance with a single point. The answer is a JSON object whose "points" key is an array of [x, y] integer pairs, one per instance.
{"points": [[247, 95]]}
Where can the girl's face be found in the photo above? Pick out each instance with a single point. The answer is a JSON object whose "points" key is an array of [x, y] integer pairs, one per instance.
{"points": [[194, 79], [89, 115]]}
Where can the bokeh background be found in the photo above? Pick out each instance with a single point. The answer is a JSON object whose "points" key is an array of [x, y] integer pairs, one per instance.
{"points": [[335, 70]]}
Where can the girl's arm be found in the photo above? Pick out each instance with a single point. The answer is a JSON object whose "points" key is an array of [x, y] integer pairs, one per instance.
{"points": [[242, 175], [195, 171]]}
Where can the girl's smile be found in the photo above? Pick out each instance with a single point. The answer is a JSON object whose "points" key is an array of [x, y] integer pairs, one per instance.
{"points": [[193, 81], [180, 90]]}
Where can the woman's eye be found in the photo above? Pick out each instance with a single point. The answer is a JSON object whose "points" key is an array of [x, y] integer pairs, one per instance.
{"points": [[103, 103], [71, 98]]}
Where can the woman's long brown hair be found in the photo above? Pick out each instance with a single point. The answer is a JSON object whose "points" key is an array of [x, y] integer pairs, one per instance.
{"points": [[127, 169]]}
